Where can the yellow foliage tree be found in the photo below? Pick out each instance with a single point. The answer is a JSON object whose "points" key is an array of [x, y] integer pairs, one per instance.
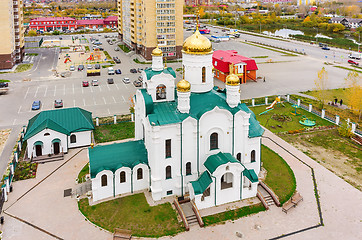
{"points": [[321, 84], [354, 92], [307, 19]]}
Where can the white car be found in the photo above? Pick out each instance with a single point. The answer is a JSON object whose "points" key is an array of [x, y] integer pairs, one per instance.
{"points": [[94, 82], [126, 80], [72, 68], [89, 66]]}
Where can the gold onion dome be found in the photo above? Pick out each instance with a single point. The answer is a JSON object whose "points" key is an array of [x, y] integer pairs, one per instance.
{"points": [[157, 52], [183, 86], [197, 44], [232, 80]]}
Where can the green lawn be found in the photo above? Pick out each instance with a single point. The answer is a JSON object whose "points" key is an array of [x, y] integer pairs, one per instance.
{"points": [[3, 80], [124, 48], [280, 177], [23, 67], [82, 173], [232, 214], [113, 132], [133, 213]]}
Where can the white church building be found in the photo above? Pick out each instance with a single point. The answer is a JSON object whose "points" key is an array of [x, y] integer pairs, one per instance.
{"points": [[191, 138]]}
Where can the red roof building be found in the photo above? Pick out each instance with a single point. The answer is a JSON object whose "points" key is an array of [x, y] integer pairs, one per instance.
{"points": [[226, 62], [53, 23]]}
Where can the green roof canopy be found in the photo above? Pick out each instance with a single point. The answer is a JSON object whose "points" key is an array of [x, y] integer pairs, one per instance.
{"points": [[65, 121], [114, 156], [251, 175], [162, 113], [40, 143], [56, 140], [201, 184], [150, 73], [216, 160]]}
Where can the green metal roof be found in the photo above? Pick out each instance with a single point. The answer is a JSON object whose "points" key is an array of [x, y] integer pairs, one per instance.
{"points": [[150, 73], [201, 184], [251, 175], [56, 140], [216, 160], [114, 156], [148, 101], [38, 143], [65, 120], [166, 112]]}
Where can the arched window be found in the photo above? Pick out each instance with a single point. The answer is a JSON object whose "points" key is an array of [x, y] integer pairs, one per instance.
{"points": [[252, 156], [73, 138], [214, 143], [46, 134], [188, 168], [104, 180], [122, 177], [227, 181], [139, 174], [168, 172], [203, 74], [160, 92], [238, 157]]}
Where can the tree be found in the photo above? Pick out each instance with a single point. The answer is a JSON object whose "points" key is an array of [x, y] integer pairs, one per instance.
{"points": [[354, 92], [32, 33], [321, 84]]}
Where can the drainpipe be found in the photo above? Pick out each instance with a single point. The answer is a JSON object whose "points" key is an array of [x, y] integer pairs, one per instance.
{"points": [[215, 188], [182, 178], [198, 149], [149, 179], [132, 181], [233, 133], [241, 184], [114, 185]]}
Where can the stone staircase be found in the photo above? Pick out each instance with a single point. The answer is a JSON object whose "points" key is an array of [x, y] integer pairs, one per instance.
{"points": [[189, 213], [269, 200], [47, 158]]}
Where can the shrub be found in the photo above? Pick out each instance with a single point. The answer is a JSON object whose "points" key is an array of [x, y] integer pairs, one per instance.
{"points": [[345, 131]]}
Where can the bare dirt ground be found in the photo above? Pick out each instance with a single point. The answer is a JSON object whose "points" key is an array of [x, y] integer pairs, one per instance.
{"points": [[4, 135], [342, 165]]}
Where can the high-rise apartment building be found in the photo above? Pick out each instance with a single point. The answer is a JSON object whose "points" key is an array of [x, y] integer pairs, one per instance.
{"points": [[142, 24], [12, 33]]}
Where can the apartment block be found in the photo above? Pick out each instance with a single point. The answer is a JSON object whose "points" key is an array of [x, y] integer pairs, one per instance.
{"points": [[144, 24], [12, 33]]}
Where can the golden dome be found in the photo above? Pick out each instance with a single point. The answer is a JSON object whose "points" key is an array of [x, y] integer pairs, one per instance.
{"points": [[197, 44], [183, 86], [157, 52], [232, 80]]}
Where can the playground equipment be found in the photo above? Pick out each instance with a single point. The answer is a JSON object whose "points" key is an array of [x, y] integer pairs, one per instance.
{"points": [[96, 55], [295, 113], [277, 100], [307, 122], [67, 58], [265, 111]]}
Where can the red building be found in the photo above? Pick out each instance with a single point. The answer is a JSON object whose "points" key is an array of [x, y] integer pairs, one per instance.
{"points": [[48, 24], [226, 62], [109, 22]]}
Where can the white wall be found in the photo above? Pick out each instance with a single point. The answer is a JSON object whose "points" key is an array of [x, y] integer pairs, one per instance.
{"points": [[47, 147], [100, 192], [162, 78], [125, 187], [83, 138], [241, 131], [141, 183]]}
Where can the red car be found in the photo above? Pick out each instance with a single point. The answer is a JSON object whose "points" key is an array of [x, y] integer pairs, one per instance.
{"points": [[353, 62], [85, 84]]}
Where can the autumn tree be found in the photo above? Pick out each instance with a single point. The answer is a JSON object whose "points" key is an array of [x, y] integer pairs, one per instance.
{"points": [[321, 86], [32, 33], [354, 93]]}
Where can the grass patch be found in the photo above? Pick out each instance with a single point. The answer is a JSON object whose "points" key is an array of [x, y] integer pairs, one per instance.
{"points": [[86, 48], [269, 121], [349, 69], [107, 55], [107, 66], [260, 57], [4, 80], [138, 61], [31, 54], [133, 213], [23, 67], [124, 48], [64, 47], [113, 132], [233, 214], [82, 173], [280, 176]]}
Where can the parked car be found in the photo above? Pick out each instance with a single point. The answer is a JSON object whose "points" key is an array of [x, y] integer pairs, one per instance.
{"points": [[118, 71], [58, 103], [85, 84], [126, 80], [81, 67], [110, 81], [94, 82], [72, 68], [133, 70], [97, 66], [36, 105], [89, 66], [140, 70], [140, 78], [137, 83], [4, 85], [353, 62], [116, 49], [326, 48], [110, 71], [97, 43]]}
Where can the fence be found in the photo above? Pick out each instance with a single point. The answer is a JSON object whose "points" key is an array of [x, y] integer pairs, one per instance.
{"points": [[8, 178], [113, 120], [83, 188]]}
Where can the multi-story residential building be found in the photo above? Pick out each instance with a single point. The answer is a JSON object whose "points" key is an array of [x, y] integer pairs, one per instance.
{"points": [[144, 24], [12, 33], [197, 2]]}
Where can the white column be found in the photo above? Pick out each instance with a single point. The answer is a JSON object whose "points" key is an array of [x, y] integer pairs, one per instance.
{"points": [[7, 183], [97, 121], [298, 102], [19, 144], [115, 119], [288, 97], [253, 102], [337, 119], [11, 168], [353, 127], [16, 154], [3, 189], [183, 101], [348, 121], [323, 113], [266, 100], [310, 107]]}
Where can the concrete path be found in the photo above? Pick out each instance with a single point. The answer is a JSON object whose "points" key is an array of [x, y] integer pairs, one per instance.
{"points": [[8, 148]]}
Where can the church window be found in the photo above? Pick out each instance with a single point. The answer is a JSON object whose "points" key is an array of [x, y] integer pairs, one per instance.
{"points": [[238, 157], [122, 177], [46, 134], [104, 180], [203, 74], [227, 181], [160, 92], [168, 148], [188, 168], [252, 156], [214, 143], [168, 172], [139, 174], [73, 138], [169, 192]]}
